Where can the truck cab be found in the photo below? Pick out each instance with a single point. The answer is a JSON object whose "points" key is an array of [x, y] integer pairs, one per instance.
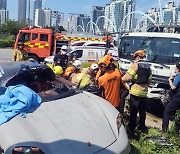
{"points": [[162, 53], [41, 42], [38, 42]]}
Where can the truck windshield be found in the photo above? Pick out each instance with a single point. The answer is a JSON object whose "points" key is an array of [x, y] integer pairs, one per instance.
{"points": [[158, 49]]}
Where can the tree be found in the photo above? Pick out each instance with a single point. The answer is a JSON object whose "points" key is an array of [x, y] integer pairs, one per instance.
{"points": [[12, 27]]}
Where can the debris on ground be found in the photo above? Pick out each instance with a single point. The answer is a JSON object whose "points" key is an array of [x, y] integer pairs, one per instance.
{"points": [[159, 140]]}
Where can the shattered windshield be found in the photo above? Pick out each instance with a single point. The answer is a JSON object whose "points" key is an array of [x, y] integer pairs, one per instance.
{"points": [[7, 72], [159, 50]]}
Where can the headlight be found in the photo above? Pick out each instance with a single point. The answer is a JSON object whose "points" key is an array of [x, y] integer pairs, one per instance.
{"points": [[27, 150], [119, 121]]}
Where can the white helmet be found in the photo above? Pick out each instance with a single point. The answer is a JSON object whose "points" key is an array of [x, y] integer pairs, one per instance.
{"points": [[64, 47], [77, 64], [94, 66]]}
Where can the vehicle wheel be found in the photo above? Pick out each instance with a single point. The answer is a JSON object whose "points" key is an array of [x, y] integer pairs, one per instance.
{"points": [[32, 58]]}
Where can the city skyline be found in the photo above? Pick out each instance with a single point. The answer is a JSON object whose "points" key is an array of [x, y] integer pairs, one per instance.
{"points": [[82, 7]]}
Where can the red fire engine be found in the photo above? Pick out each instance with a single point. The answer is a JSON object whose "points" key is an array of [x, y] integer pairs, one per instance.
{"points": [[41, 43]]}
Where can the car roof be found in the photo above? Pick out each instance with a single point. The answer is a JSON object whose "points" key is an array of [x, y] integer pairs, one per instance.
{"points": [[89, 42]]}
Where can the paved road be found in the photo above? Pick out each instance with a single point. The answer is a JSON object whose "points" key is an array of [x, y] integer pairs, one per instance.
{"points": [[5, 55]]}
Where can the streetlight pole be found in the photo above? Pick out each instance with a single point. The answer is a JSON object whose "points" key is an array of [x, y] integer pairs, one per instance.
{"points": [[56, 15], [29, 8]]}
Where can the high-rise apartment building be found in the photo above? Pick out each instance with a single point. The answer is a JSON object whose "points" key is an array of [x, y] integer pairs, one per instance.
{"points": [[78, 22], [116, 11], [37, 5], [47, 17], [129, 6], [43, 17], [167, 17], [72, 22], [170, 16], [3, 4], [154, 14], [82, 20], [39, 18], [176, 13], [114, 15], [22, 4], [97, 12], [4, 16], [59, 18]]}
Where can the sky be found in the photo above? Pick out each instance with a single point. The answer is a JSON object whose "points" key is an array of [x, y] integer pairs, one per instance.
{"points": [[79, 6]]}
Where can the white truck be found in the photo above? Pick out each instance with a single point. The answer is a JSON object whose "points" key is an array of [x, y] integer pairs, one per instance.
{"points": [[162, 53]]}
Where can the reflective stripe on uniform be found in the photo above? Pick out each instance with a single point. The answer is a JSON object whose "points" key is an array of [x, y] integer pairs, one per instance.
{"points": [[138, 92], [131, 72], [80, 76], [84, 82], [135, 77]]}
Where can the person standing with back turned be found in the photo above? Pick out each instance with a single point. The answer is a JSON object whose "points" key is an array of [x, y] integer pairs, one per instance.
{"points": [[139, 74], [109, 82]]}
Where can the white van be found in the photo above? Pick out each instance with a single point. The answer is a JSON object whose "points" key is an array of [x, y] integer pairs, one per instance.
{"points": [[89, 44], [90, 51], [90, 54]]}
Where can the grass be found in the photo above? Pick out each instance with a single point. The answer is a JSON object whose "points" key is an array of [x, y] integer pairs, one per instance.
{"points": [[141, 145], [86, 64]]}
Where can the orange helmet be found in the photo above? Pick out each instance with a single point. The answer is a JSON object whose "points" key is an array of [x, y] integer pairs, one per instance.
{"points": [[68, 71], [140, 53], [104, 60], [109, 57]]}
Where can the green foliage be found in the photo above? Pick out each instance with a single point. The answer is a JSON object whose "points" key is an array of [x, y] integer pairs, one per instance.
{"points": [[140, 144], [12, 27], [175, 129], [7, 40]]}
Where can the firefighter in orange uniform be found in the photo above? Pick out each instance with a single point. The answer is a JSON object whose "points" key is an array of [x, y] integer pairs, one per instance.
{"points": [[109, 83]]}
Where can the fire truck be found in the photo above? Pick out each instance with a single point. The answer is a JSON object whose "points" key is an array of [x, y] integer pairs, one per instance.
{"points": [[41, 43]]}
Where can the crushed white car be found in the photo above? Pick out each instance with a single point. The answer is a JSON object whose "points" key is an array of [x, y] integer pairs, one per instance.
{"points": [[67, 121]]}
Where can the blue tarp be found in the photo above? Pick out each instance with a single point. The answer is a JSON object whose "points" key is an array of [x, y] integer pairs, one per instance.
{"points": [[17, 99]]}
